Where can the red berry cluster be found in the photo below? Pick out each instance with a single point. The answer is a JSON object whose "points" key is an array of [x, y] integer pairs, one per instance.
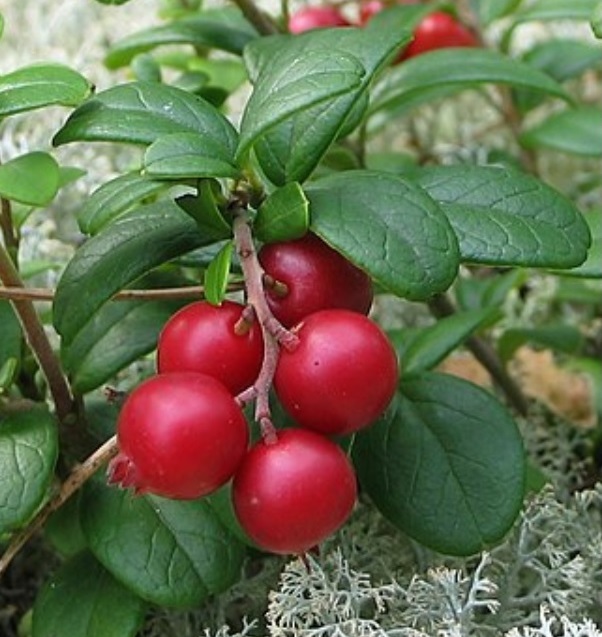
{"points": [[438, 30], [182, 433]]}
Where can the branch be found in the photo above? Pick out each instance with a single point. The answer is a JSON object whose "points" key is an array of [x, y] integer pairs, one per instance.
{"points": [[441, 306], [79, 476], [263, 24]]}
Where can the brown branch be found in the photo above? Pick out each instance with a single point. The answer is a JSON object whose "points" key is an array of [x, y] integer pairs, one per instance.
{"points": [[441, 306], [79, 476], [11, 239]]}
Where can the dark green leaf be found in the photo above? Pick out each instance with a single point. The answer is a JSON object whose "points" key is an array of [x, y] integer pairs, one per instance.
{"points": [[63, 528], [32, 179], [387, 226], [114, 198], [432, 344], [224, 29], [596, 20], [564, 59], [592, 266], [11, 341], [505, 217], [561, 338], [445, 464], [28, 452], [172, 553], [41, 85], [130, 247], [204, 208], [436, 73], [104, 607], [577, 131], [111, 2], [217, 274], [283, 216], [188, 155], [140, 112]]}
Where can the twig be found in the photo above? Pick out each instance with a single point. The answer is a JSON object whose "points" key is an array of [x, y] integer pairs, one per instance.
{"points": [[79, 476], [441, 306], [11, 239], [256, 17]]}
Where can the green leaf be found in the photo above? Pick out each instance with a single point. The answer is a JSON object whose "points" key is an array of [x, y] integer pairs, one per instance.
{"points": [[104, 606], [544, 10], [283, 215], [108, 262], [140, 112], [388, 227], [28, 452], [41, 85], [597, 20], [563, 59], [188, 156], [172, 553], [217, 274], [438, 73], [112, 2], [505, 217], [114, 198], [474, 293], [32, 179], [433, 343], [491, 10], [224, 29], [577, 131], [445, 464], [11, 339], [204, 208], [8, 373], [63, 528], [146, 69], [592, 266], [561, 338]]}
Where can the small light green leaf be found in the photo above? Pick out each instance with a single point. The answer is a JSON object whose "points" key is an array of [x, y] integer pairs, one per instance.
{"points": [[445, 464], [140, 112], [440, 72], [283, 216], [114, 198], [172, 553], [28, 452], [577, 131], [388, 227], [491, 10], [217, 274], [41, 85], [146, 69], [597, 20], [183, 156], [8, 373], [108, 262], [104, 606], [224, 29], [432, 344], [32, 179], [505, 217], [560, 338]]}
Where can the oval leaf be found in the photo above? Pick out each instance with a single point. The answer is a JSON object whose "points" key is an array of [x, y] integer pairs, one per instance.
{"points": [[505, 217], [11, 342], [557, 10], [28, 452], [592, 266], [140, 112], [283, 216], [387, 226], [32, 179], [104, 606], [132, 246], [41, 85], [445, 464], [217, 274], [172, 553]]}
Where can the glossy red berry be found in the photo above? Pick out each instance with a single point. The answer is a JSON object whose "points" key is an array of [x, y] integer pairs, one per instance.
{"points": [[180, 436], [316, 277], [292, 494], [341, 376], [310, 18], [439, 30], [204, 338]]}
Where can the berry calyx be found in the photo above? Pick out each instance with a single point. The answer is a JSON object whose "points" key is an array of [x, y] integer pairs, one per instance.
{"points": [[208, 339], [315, 277], [341, 376], [180, 436], [439, 30], [309, 18], [292, 494]]}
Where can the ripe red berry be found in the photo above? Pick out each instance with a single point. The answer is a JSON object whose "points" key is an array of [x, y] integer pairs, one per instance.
{"points": [[180, 436], [292, 494], [202, 338], [341, 376], [310, 18], [439, 30], [316, 276]]}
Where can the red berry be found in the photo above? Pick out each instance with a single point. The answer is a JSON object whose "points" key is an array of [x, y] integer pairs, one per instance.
{"points": [[316, 277], [202, 338], [291, 494], [439, 30], [180, 436], [310, 18], [341, 376]]}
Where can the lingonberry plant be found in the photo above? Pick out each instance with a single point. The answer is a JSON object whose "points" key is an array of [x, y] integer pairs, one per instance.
{"points": [[223, 338]]}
